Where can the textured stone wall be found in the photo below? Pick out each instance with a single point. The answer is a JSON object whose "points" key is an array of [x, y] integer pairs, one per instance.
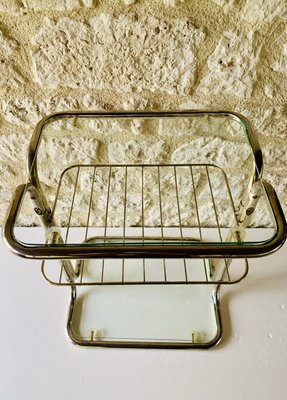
{"points": [[145, 54]]}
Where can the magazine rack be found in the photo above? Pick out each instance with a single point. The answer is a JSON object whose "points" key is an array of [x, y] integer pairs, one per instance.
{"points": [[145, 215]]}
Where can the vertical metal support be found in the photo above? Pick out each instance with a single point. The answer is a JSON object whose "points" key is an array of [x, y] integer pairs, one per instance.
{"points": [[40, 206]]}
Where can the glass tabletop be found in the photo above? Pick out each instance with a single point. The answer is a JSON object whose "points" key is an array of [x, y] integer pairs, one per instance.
{"points": [[146, 184]]}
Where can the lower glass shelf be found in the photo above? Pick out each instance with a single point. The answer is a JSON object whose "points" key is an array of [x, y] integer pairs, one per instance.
{"points": [[145, 316]]}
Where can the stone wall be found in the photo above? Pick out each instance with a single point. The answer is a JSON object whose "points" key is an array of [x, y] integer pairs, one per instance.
{"points": [[128, 54]]}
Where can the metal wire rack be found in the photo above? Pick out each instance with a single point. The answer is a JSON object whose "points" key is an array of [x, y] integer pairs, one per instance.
{"points": [[162, 208]]}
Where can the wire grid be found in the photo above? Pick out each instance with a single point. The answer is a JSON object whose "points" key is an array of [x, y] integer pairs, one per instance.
{"points": [[144, 204]]}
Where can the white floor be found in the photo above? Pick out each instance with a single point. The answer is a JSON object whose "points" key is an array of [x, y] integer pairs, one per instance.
{"points": [[37, 361]]}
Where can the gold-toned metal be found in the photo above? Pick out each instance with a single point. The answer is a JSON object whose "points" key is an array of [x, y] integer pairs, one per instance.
{"points": [[185, 271], [213, 271], [195, 341], [197, 260], [160, 249]]}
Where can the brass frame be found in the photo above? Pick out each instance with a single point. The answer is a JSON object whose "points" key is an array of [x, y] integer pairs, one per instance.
{"points": [[198, 250], [145, 344]]}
